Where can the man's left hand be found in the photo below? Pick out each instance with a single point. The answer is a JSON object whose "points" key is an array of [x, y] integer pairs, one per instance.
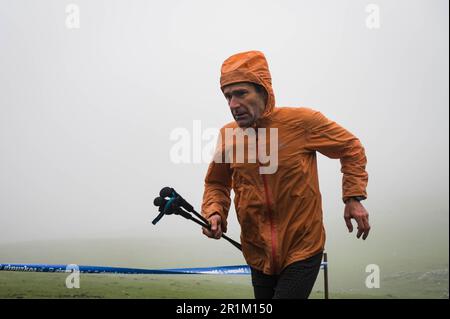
{"points": [[355, 210]]}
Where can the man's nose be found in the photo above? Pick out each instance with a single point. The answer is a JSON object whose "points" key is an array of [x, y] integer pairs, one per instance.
{"points": [[234, 103]]}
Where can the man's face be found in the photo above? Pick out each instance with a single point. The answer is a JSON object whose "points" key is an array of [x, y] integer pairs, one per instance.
{"points": [[246, 103]]}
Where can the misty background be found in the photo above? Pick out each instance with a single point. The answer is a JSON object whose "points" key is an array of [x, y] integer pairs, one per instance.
{"points": [[86, 116]]}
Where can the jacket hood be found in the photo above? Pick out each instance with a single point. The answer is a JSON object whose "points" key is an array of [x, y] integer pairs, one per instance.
{"points": [[250, 66]]}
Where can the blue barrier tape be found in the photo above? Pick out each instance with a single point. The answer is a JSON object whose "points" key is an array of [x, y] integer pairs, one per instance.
{"points": [[222, 270]]}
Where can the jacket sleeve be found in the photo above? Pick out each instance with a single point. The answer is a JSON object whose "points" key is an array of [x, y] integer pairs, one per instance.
{"points": [[333, 141], [216, 196]]}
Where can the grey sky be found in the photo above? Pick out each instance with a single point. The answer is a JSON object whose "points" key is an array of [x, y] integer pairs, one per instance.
{"points": [[86, 114]]}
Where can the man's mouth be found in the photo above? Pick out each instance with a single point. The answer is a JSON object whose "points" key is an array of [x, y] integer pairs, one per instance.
{"points": [[240, 116]]}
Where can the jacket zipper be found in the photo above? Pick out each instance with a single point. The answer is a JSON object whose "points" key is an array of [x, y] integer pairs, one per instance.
{"points": [[273, 229]]}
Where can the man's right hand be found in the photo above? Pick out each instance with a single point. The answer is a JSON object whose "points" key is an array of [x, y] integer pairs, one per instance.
{"points": [[216, 227]]}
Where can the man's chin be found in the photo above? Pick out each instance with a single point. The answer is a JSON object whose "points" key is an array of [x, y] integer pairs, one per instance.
{"points": [[244, 124]]}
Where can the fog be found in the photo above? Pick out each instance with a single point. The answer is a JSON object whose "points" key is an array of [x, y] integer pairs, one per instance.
{"points": [[86, 116]]}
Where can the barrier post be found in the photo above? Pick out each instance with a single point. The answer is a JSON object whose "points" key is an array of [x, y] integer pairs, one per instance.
{"points": [[325, 275]]}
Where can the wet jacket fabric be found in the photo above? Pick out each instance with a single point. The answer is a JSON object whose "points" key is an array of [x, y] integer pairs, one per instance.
{"points": [[280, 213]]}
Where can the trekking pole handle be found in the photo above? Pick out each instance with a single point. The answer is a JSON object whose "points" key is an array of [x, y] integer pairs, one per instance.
{"points": [[207, 225]]}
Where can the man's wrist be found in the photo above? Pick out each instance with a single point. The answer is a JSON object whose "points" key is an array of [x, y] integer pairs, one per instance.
{"points": [[354, 198]]}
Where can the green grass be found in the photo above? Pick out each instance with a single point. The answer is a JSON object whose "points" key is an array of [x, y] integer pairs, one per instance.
{"points": [[52, 285], [19, 285]]}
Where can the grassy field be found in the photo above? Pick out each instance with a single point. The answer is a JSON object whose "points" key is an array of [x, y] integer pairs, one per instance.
{"points": [[52, 285], [20, 285]]}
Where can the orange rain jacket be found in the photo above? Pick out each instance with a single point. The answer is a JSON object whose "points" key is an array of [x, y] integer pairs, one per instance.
{"points": [[281, 213]]}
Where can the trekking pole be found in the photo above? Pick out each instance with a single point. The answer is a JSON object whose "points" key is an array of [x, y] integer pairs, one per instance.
{"points": [[175, 205]]}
